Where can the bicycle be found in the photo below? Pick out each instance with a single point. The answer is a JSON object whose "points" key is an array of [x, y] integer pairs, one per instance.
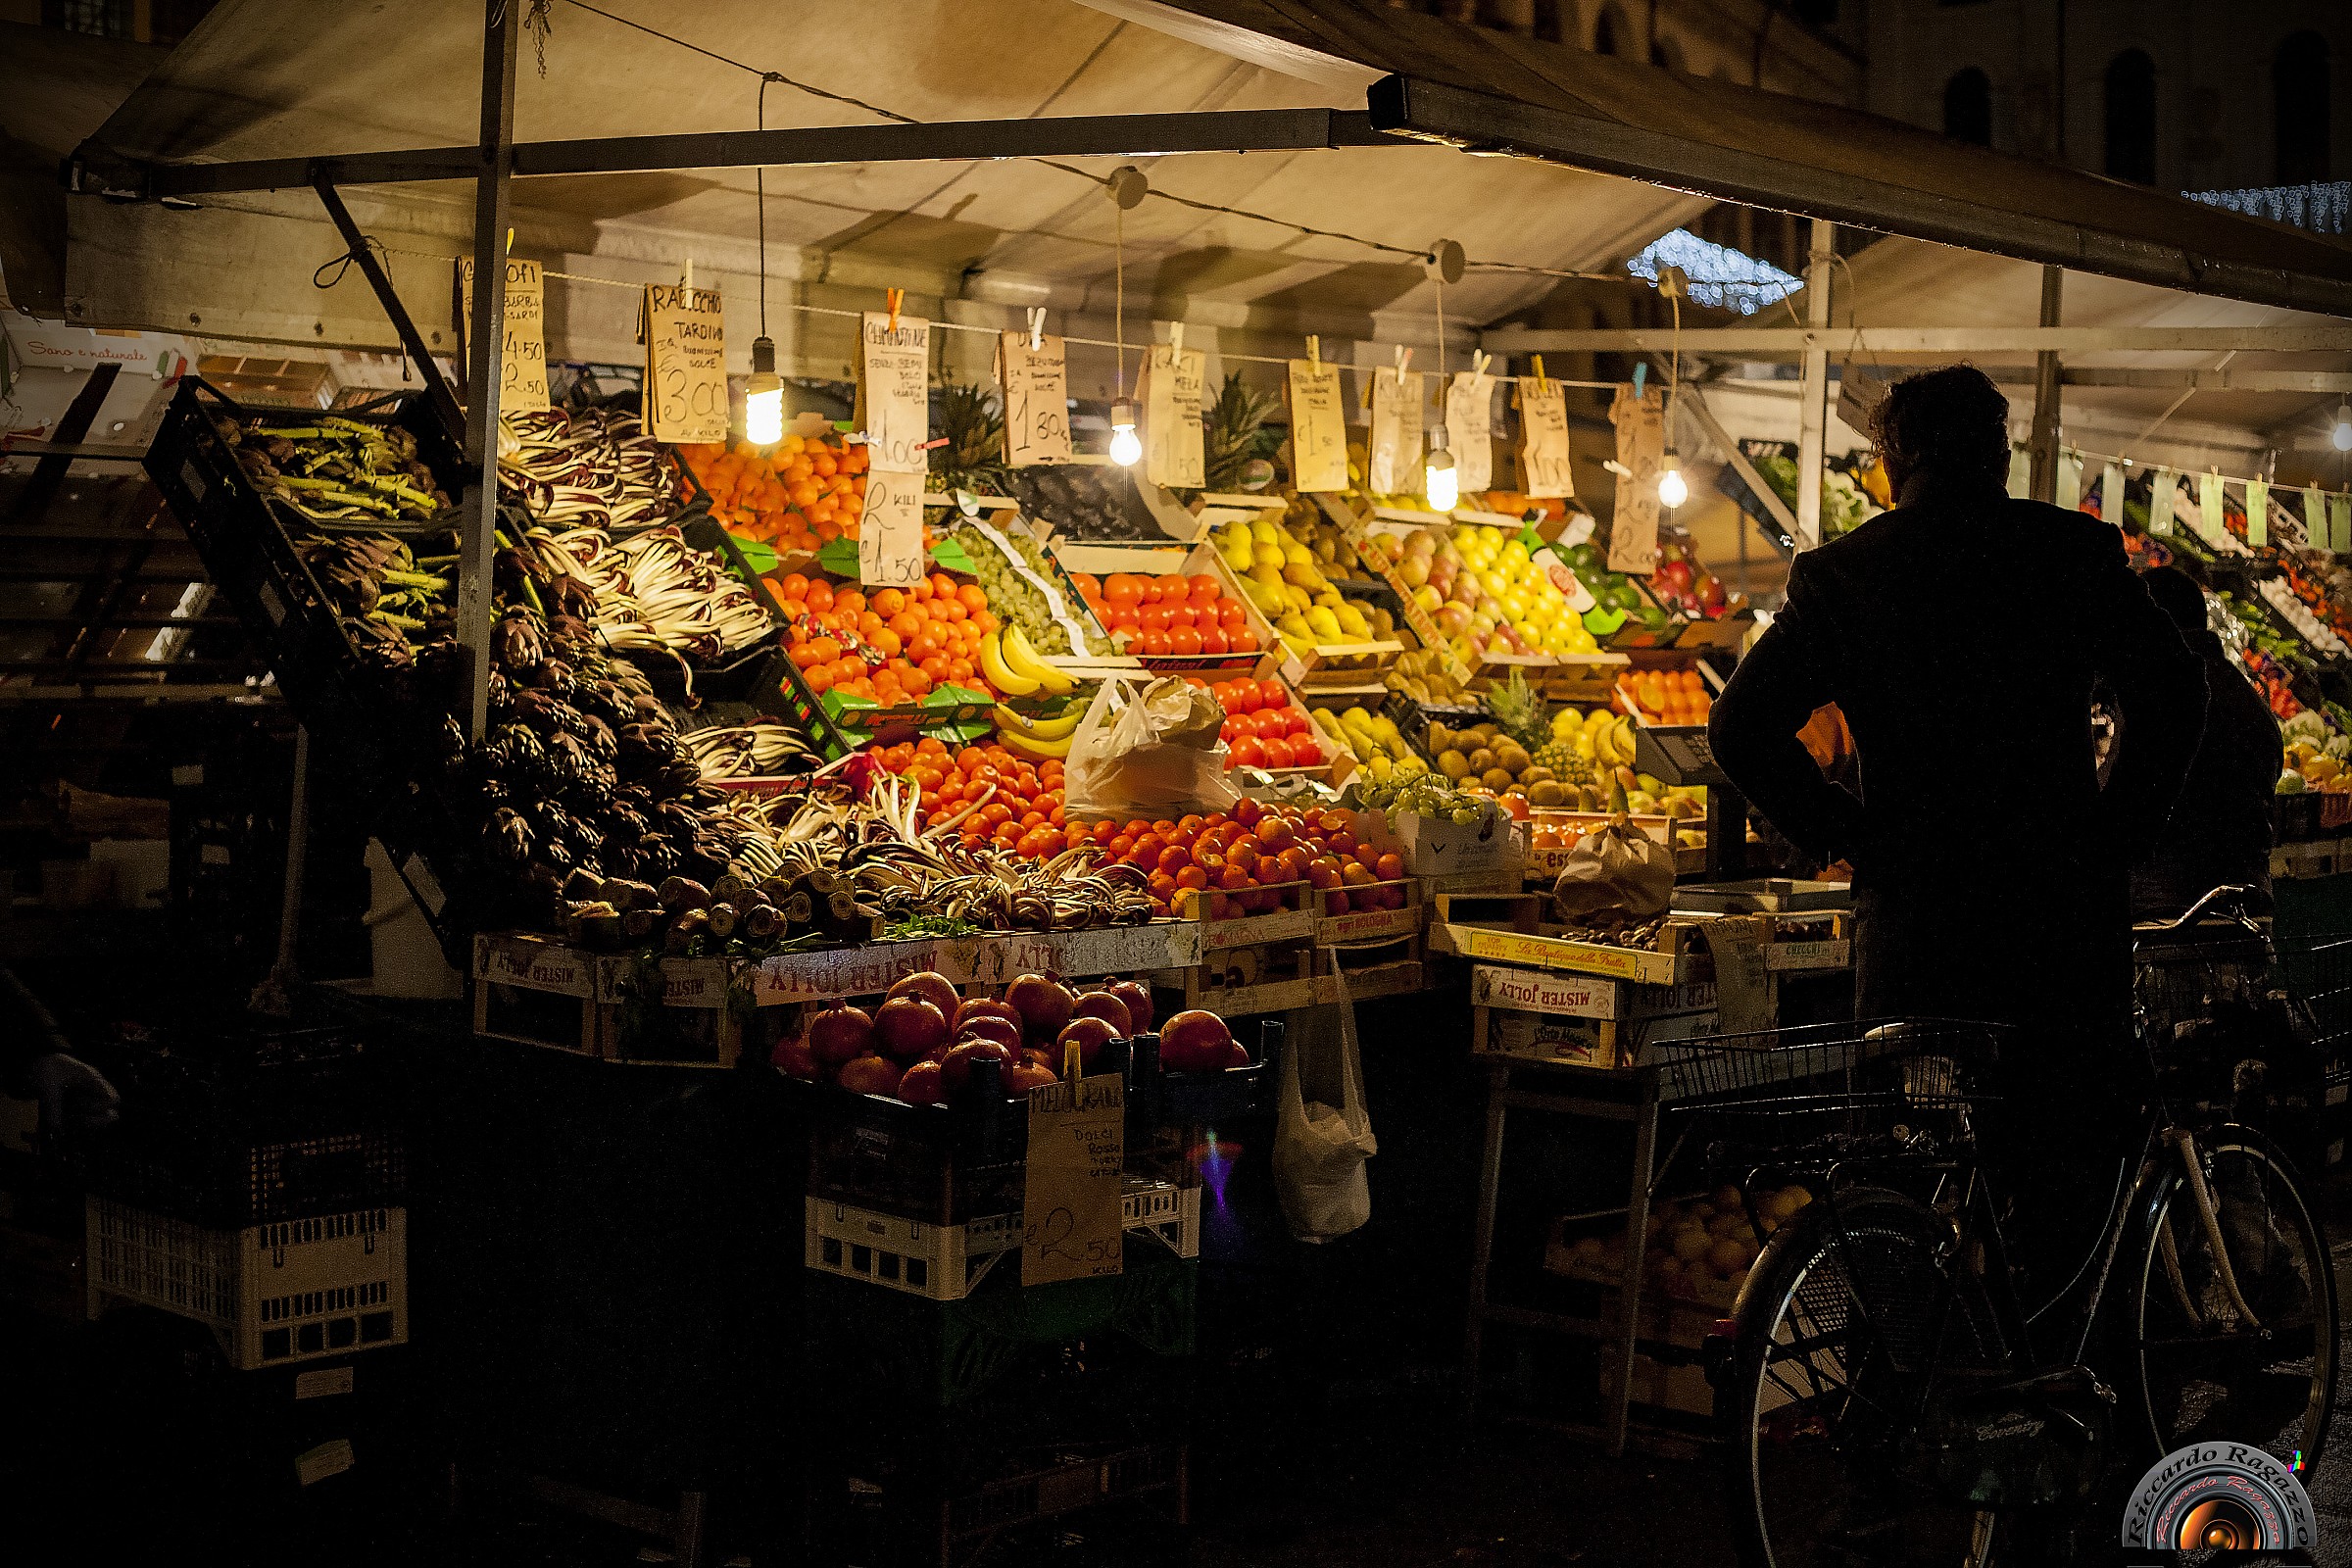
{"points": [[1879, 1387]]}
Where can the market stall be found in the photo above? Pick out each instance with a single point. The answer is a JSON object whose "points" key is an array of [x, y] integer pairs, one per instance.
{"points": [[996, 740]]}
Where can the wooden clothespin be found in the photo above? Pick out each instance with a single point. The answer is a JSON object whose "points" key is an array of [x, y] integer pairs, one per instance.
{"points": [[1478, 366], [690, 278], [1176, 336], [1314, 349], [1037, 328], [1542, 385], [896, 297], [1405, 357]]}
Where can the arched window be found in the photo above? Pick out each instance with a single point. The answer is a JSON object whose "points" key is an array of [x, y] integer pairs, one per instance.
{"points": [[2132, 117], [1968, 107], [1548, 21], [2299, 109], [1605, 33]]}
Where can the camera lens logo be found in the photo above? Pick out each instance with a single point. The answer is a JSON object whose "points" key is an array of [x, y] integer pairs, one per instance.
{"points": [[2215, 1497]]}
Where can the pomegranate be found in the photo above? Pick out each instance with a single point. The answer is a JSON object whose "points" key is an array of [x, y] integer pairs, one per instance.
{"points": [[839, 1033], [869, 1075], [919, 1085], [932, 987], [955, 1068], [1195, 1041], [1020, 1077], [1044, 1005], [988, 1026], [791, 1056], [1103, 1005], [908, 1027], [1138, 997], [1090, 1034], [983, 1008], [1237, 1055]]}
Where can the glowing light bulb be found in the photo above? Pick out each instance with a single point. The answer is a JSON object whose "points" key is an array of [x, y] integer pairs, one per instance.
{"points": [[1672, 491], [1441, 485], [2342, 436], [763, 397], [1125, 446]]}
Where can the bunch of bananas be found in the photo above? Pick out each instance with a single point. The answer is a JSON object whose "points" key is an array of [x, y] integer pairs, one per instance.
{"points": [[1013, 668], [1037, 739]]}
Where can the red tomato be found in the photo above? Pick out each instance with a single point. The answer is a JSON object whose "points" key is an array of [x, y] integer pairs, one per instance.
{"points": [[1212, 641], [1241, 640], [1273, 694], [1301, 724], [1153, 643], [1245, 698], [1277, 750], [1306, 752], [1231, 612], [1205, 587], [1183, 640], [1247, 752]]}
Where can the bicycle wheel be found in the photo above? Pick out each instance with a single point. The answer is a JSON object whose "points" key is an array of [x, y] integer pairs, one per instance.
{"points": [[2201, 1373], [1843, 1325]]}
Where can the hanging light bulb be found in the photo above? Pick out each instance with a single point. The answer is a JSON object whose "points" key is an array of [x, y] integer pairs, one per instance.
{"points": [[763, 397], [1672, 491], [1440, 484], [2342, 436], [1125, 446]]}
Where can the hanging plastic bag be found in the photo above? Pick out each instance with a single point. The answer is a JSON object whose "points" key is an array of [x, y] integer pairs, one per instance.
{"points": [[1320, 1149], [1151, 754], [1616, 875]]}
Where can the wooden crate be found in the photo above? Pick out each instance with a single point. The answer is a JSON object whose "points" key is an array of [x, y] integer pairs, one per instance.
{"points": [[1295, 918], [536, 991], [694, 1022], [1535, 950], [1368, 925], [1522, 1016], [1236, 982], [1374, 969]]}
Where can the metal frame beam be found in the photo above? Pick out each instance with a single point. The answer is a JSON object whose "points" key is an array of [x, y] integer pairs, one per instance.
{"points": [[94, 171], [494, 163], [2041, 452], [1868, 343], [1813, 391]]}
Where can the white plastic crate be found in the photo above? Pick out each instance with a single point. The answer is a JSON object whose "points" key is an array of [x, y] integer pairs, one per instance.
{"points": [[273, 1295], [946, 1263]]}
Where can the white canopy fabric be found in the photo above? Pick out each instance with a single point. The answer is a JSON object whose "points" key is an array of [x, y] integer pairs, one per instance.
{"points": [[972, 241]]}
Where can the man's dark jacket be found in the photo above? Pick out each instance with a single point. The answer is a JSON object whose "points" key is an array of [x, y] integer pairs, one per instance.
{"points": [[2221, 827], [1962, 633]]}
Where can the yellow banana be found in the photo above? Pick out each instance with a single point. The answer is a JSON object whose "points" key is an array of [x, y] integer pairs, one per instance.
{"points": [[999, 675], [1024, 662], [1020, 745], [1050, 729]]}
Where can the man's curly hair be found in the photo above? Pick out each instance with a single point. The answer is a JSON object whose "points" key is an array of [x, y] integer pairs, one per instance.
{"points": [[1951, 423]]}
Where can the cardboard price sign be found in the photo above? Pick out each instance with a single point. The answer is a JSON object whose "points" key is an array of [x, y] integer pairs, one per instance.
{"points": [[1396, 449], [1175, 446], [685, 362], [1543, 463], [894, 390], [1037, 399], [1318, 428], [1470, 429], [1071, 1224], [890, 531], [522, 343], [1641, 452]]}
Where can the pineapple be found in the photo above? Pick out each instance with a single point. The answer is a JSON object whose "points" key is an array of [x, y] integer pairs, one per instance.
{"points": [[1520, 711], [972, 457], [1237, 433]]}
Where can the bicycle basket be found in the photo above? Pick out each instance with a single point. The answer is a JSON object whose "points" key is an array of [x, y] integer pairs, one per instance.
{"points": [[1801, 1084]]}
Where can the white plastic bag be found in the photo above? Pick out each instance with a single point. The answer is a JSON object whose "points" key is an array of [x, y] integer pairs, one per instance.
{"points": [[1149, 753], [1319, 1149]]}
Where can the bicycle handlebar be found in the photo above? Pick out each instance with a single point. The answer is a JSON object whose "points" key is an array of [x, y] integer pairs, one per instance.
{"points": [[2228, 891]]}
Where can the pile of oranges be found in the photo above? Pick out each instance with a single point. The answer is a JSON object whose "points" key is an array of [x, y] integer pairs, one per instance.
{"points": [[1170, 614], [892, 646], [1669, 695], [801, 493]]}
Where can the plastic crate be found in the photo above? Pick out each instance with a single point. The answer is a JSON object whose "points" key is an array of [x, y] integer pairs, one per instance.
{"points": [[948, 1263], [228, 1182], [285, 1292]]}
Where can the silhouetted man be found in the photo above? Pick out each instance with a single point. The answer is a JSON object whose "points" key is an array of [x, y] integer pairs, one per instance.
{"points": [[2221, 826]]}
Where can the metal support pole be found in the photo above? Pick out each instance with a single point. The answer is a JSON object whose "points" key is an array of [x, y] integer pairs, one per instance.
{"points": [[485, 329], [2041, 452], [445, 402], [1813, 395]]}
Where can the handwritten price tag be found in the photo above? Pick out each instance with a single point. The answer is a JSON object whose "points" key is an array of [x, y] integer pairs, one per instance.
{"points": [[1174, 454], [1470, 429], [1543, 469], [890, 531], [894, 390], [1037, 399], [1641, 451], [523, 348], [1071, 1225], [1395, 450], [1318, 426], [685, 362]]}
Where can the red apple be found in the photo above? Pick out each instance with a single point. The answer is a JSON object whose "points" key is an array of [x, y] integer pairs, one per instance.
{"points": [[1138, 997], [1090, 1034], [1193, 1042], [1020, 1077], [869, 1075], [955, 1068], [1103, 1005], [988, 1026], [791, 1056], [840, 1033], [932, 987], [1044, 1005], [983, 1008], [919, 1085], [909, 1028]]}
